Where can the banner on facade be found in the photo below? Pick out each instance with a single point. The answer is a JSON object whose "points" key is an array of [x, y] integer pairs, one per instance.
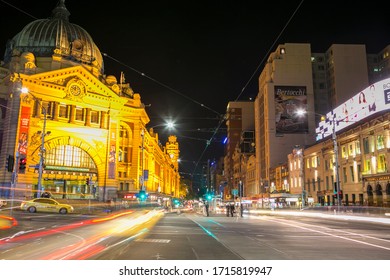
{"points": [[288, 101], [24, 126], [112, 153]]}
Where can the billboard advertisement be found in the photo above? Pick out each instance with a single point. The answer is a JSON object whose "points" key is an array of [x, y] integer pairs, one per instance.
{"points": [[288, 100], [374, 99]]}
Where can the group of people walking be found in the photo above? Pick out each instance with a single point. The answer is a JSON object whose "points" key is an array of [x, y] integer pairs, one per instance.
{"points": [[230, 209]]}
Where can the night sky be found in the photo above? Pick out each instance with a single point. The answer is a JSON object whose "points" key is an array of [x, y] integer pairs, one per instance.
{"points": [[203, 52]]}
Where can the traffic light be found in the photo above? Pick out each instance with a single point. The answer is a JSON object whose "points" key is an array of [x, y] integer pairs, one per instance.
{"points": [[209, 196], [10, 163], [142, 195], [87, 181], [22, 164]]}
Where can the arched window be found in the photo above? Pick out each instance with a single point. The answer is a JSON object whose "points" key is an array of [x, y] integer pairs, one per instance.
{"points": [[69, 156]]}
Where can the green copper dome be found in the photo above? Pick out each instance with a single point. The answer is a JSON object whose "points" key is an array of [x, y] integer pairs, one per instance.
{"points": [[44, 37]]}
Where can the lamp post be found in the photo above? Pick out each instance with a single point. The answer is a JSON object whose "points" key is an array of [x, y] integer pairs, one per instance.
{"points": [[336, 159], [142, 187], [335, 151], [299, 152]]}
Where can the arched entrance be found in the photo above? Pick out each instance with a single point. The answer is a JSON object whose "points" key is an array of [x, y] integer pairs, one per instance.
{"points": [[379, 195], [370, 196], [70, 172], [388, 195]]}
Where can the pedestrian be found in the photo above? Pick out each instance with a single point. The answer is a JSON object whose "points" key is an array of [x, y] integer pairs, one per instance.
{"points": [[207, 208], [232, 209], [227, 209]]}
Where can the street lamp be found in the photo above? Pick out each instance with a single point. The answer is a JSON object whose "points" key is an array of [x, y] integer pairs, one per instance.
{"points": [[335, 151], [299, 152], [43, 134]]}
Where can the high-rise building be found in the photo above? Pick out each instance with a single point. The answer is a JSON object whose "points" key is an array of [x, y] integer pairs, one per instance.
{"points": [[239, 117], [285, 87]]}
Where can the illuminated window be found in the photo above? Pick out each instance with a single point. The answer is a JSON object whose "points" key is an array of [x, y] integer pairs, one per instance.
{"points": [[63, 111], [69, 156], [367, 165], [79, 114], [350, 150], [382, 163], [282, 50], [357, 147], [123, 132], [344, 152], [380, 142], [95, 117]]}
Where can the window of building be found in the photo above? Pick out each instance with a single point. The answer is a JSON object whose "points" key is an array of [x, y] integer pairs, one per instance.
{"points": [[79, 114], [95, 117], [120, 174], [366, 145], [121, 186], [350, 150], [326, 165], [359, 172], [380, 142], [63, 111], [68, 156], [367, 166], [314, 184], [344, 152], [319, 183], [357, 147], [127, 186], [382, 167], [314, 162], [123, 132], [352, 174], [327, 182], [345, 174]]}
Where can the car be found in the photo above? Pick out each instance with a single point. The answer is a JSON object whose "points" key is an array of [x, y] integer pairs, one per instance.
{"points": [[46, 205]]}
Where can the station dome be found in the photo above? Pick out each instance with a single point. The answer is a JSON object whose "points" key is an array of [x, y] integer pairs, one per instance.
{"points": [[56, 35]]}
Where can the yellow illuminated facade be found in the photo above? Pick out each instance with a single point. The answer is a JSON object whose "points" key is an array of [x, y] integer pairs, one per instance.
{"points": [[92, 124]]}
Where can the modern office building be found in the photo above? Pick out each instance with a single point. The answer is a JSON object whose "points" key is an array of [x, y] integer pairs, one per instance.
{"points": [[75, 131]]}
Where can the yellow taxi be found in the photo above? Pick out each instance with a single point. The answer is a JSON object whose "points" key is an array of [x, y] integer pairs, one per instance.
{"points": [[46, 205]]}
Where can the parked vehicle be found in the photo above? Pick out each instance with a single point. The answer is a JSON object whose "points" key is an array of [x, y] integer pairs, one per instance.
{"points": [[46, 205]]}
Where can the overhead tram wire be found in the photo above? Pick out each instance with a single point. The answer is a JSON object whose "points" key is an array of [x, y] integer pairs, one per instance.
{"points": [[244, 88], [20, 10], [161, 84], [269, 50], [221, 116]]}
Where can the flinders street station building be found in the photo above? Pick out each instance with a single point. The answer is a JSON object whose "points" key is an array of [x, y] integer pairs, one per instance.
{"points": [[68, 128]]}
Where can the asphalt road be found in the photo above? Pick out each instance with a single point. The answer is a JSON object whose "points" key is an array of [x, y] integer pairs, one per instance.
{"points": [[144, 234]]}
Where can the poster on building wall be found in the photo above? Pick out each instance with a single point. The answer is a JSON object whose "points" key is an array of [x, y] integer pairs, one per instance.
{"points": [[288, 101], [112, 154]]}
